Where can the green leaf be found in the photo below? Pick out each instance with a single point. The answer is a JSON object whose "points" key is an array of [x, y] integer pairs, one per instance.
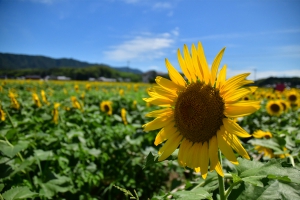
{"points": [[5, 170], [43, 155], [60, 184], [18, 193], [150, 160], [1, 187], [269, 143], [273, 167], [254, 180], [11, 151], [278, 190], [281, 178], [199, 193], [94, 152]]}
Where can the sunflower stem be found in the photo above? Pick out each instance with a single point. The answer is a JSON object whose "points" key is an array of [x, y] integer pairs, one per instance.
{"points": [[221, 181]]}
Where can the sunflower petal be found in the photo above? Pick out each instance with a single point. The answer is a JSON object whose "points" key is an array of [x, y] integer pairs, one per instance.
{"points": [[165, 133], [213, 152], [233, 82], [183, 66], [169, 147], [236, 144], [158, 123], [225, 146], [197, 158], [204, 160], [253, 88], [164, 92], [174, 74], [189, 63], [236, 95], [203, 64], [222, 77], [185, 156], [219, 169], [167, 84], [240, 109], [182, 152], [159, 101], [234, 128], [215, 66], [160, 113], [195, 62], [193, 156]]}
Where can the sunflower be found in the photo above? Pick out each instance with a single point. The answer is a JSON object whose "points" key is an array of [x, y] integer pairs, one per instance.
{"points": [[76, 87], [106, 106], [267, 152], [292, 96], [44, 98], [197, 114], [2, 114], [123, 115], [285, 105], [261, 134], [75, 103], [55, 113], [36, 100], [14, 103], [274, 108], [246, 98]]}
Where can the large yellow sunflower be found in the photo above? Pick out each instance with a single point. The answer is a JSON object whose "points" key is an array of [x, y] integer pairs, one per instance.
{"points": [[197, 114]]}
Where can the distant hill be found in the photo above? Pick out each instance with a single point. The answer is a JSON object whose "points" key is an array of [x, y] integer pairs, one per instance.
{"points": [[292, 82], [128, 69], [18, 61]]}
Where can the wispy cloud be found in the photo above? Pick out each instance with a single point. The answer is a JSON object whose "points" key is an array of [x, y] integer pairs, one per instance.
{"points": [[162, 5], [259, 74], [43, 1], [141, 48], [289, 51], [131, 1], [241, 35]]}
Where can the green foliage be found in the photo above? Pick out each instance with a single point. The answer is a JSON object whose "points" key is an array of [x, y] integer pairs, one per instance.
{"points": [[89, 154], [18, 193]]}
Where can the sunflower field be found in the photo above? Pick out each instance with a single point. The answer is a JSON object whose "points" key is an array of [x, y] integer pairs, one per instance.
{"points": [[97, 140], [84, 140]]}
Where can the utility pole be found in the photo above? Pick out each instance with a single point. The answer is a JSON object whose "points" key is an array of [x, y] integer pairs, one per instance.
{"points": [[128, 62]]}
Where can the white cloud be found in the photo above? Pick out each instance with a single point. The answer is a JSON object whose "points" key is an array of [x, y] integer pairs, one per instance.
{"points": [[141, 48]]}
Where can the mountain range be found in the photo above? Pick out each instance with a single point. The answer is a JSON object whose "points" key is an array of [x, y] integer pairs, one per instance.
{"points": [[16, 65], [19, 61]]}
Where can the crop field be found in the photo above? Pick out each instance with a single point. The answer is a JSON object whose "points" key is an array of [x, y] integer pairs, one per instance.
{"points": [[85, 140]]}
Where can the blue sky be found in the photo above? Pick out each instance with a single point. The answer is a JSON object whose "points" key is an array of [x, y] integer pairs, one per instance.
{"points": [[259, 35]]}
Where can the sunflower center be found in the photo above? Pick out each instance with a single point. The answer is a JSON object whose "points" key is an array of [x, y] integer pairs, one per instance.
{"points": [[106, 108], [283, 105], [199, 112], [275, 108], [292, 97]]}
